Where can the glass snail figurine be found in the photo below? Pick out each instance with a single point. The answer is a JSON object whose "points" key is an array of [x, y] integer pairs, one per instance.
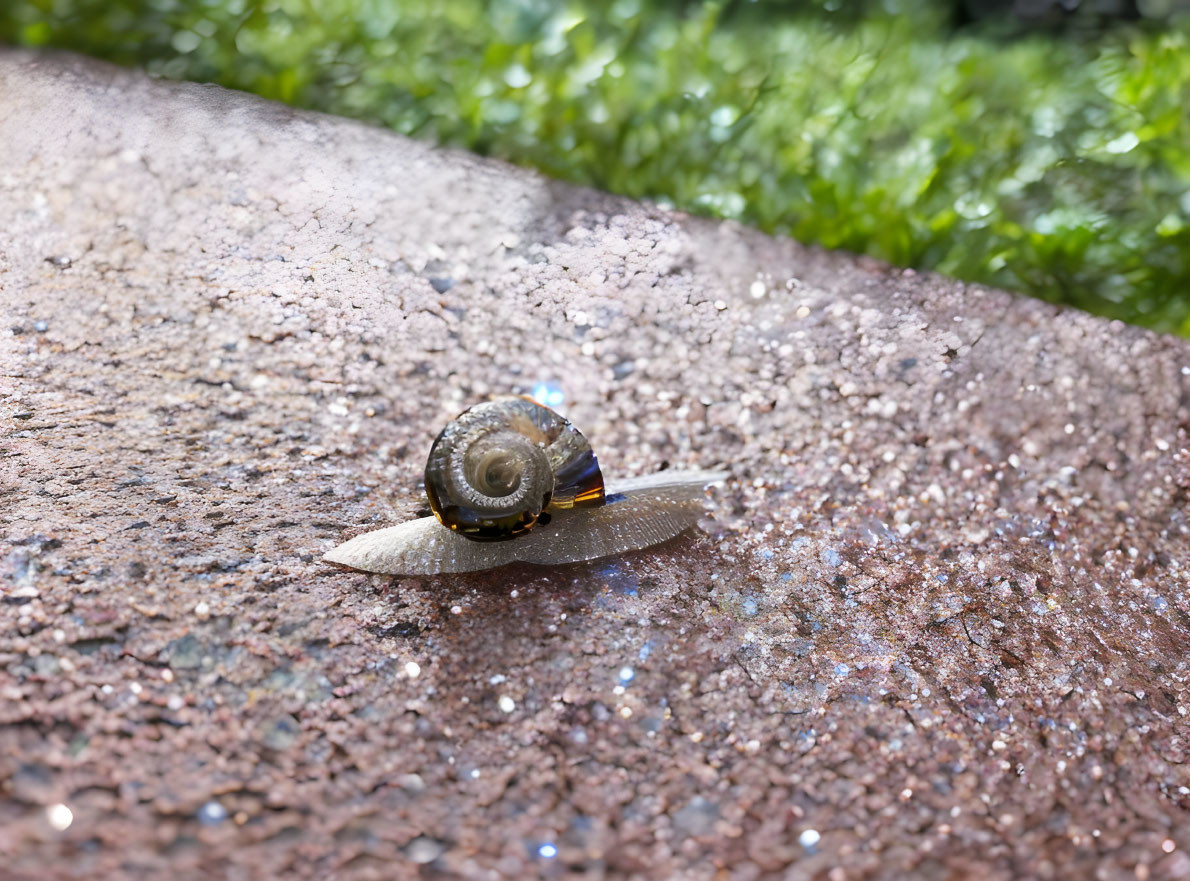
{"points": [[510, 481]]}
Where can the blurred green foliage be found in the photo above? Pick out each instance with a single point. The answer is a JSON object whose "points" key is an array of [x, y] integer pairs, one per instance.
{"points": [[1057, 165]]}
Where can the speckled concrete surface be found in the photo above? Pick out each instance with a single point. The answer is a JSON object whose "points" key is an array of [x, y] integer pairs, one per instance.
{"points": [[935, 627]]}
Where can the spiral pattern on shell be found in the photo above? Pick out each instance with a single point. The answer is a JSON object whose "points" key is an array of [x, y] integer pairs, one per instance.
{"points": [[499, 468]]}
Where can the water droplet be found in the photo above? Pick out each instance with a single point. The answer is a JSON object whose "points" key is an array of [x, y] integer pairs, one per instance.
{"points": [[548, 394], [212, 814], [59, 816]]}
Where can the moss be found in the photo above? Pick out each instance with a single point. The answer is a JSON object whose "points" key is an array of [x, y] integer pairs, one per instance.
{"points": [[1056, 165]]}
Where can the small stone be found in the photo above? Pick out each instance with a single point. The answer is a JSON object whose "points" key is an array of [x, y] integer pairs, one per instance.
{"points": [[184, 653], [46, 666], [424, 849], [411, 783], [281, 733], [698, 817]]}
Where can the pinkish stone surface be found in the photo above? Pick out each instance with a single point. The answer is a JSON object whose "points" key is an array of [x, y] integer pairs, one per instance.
{"points": [[936, 627]]}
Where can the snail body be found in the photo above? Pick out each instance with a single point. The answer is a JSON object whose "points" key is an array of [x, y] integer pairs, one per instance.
{"points": [[512, 481]]}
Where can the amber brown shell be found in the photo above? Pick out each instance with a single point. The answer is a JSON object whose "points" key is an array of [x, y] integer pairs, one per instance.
{"points": [[505, 465]]}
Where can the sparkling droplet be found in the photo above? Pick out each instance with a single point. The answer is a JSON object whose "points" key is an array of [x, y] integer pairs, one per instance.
{"points": [[548, 394], [60, 817], [212, 813]]}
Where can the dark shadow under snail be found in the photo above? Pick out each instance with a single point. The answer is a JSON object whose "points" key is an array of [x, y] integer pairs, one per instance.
{"points": [[511, 481]]}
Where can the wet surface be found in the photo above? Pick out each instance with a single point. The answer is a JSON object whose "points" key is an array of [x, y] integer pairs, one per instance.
{"points": [[935, 626]]}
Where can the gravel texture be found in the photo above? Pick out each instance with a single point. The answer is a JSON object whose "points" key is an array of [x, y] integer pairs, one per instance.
{"points": [[936, 625]]}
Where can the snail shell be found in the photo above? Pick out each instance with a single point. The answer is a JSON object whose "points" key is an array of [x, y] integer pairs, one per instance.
{"points": [[512, 481], [493, 471]]}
